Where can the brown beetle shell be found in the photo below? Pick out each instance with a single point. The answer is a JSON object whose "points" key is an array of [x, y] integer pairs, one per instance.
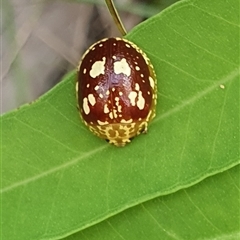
{"points": [[116, 90]]}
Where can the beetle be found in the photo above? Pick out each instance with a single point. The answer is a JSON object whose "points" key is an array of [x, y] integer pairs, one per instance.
{"points": [[116, 88]]}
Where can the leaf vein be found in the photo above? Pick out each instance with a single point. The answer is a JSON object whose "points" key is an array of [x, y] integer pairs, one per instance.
{"points": [[201, 212], [218, 129], [171, 235], [46, 135], [200, 47], [114, 229], [214, 15], [68, 119], [53, 170], [233, 74], [184, 144], [53, 204]]}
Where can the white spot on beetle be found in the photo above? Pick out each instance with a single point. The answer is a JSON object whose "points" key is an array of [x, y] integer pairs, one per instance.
{"points": [[106, 109], [113, 89], [100, 95], [115, 113], [151, 82], [88, 85], [126, 121], [111, 115], [142, 76], [137, 68], [137, 88], [120, 93], [132, 96], [119, 108], [140, 101], [102, 123], [91, 99], [98, 68], [96, 88], [100, 45], [114, 57], [107, 92], [127, 45], [122, 67], [86, 108], [84, 71]]}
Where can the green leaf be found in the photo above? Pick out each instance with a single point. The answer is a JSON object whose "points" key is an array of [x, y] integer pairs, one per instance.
{"points": [[204, 211], [57, 178]]}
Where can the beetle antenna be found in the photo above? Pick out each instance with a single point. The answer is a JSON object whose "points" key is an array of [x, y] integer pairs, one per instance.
{"points": [[116, 17]]}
